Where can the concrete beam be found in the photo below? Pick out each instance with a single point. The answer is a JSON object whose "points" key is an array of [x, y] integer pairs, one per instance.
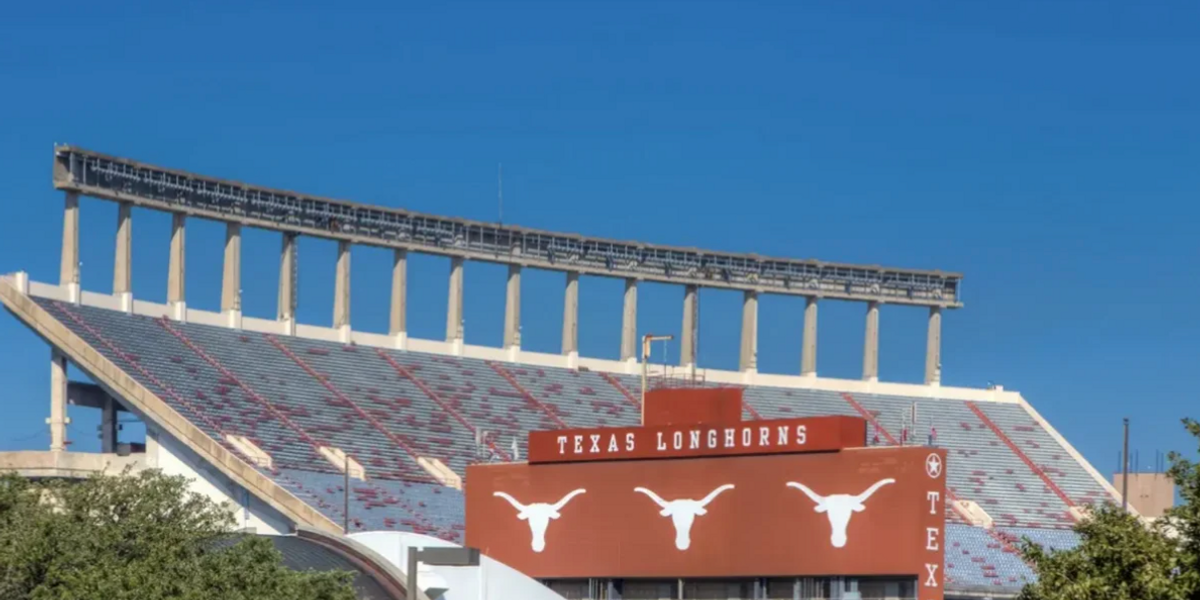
{"points": [[871, 344], [687, 333], [156, 412], [933, 348], [341, 291], [398, 313], [123, 261], [109, 427], [34, 464], [68, 276], [570, 330], [749, 354], [176, 271], [808, 353], [512, 308], [58, 401], [286, 310], [454, 306], [629, 342], [231, 278], [89, 395]]}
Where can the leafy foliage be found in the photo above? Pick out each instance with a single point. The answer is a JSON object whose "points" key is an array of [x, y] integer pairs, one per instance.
{"points": [[143, 537], [1120, 557]]}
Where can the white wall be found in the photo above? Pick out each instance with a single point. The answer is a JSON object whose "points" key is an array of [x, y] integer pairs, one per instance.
{"points": [[173, 458], [499, 581]]}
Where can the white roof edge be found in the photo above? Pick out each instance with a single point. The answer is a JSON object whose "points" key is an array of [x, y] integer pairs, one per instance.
{"points": [[1073, 453]]}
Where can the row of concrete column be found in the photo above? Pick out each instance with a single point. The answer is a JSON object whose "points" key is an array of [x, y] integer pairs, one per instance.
{"points": [[231, 299]]}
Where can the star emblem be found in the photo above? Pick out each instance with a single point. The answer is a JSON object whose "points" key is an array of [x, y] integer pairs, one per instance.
{"points": [[933, 466]]}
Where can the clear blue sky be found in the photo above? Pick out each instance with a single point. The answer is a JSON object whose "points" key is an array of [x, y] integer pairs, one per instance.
{"points": [[1048, 150]]}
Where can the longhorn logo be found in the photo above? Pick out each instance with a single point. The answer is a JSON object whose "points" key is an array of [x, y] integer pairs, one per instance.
{"points": [[839, 507], [539, 515], [683, 512]]}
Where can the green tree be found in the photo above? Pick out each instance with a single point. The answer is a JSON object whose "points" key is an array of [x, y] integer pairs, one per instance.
{"points": [[138, 536], [1120, 557]]}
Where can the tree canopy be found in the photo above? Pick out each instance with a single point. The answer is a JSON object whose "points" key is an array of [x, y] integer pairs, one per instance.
{"points": [[1120, 557], [141, 536]]}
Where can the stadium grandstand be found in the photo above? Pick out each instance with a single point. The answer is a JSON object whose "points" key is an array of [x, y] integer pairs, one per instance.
{"points": [[276, 416]]}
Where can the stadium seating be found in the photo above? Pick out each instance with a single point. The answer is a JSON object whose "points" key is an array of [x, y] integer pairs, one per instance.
{"points": [[387, 408]]}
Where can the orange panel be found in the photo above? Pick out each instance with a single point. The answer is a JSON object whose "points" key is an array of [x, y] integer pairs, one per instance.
{"points": [[877, 511], [692, 405], [776, 436]]}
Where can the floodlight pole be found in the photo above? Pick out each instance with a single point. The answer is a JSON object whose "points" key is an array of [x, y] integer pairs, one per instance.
{"points": [[646, 339], [1125, 469]]}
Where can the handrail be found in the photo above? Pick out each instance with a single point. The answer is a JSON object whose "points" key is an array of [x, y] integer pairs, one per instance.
{"points": [[147, 374], [524, 392], [753, 413], [866, 414], [162, 322], [342, 397], [951, 497], [403, 372], [1024, 457], [617, 384]]}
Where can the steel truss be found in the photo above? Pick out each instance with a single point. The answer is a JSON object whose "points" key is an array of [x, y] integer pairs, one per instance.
{"points": [[124, 180]]}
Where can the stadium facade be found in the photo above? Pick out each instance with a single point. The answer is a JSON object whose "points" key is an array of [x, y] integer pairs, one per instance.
{"points": [[271, 415]]}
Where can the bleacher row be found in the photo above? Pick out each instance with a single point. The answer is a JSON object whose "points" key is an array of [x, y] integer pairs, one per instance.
{"points": [[386, 408]]}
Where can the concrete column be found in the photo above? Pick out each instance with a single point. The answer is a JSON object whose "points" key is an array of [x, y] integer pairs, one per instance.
{"points": [[629, 342], [808, 354], [108, 426], [123, 262], [341, 292], [398, 321], [512, 308], [286, 310], [58, 402], [749, 355], [687, 334], [231, 279], [570, 330], [933, 347], [69, 271], [454, 307], [871, 344], [177, 269]]}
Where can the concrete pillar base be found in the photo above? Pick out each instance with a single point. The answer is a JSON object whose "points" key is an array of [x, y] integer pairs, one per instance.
{"points": [[812, 375], [871, 379], [456, 347], [749, 375], [572, 360], [73, 293], [233, 319], [289, 326], [22, 280], [631, 366], [400, 341], [58, 424], [126, 301], [935, 384], [178, 311], [514, 353], [344, 334]]}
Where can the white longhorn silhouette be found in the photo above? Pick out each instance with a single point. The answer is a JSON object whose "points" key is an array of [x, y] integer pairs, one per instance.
{"points": [[683, 512], [539, 515], [840, 507]]}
